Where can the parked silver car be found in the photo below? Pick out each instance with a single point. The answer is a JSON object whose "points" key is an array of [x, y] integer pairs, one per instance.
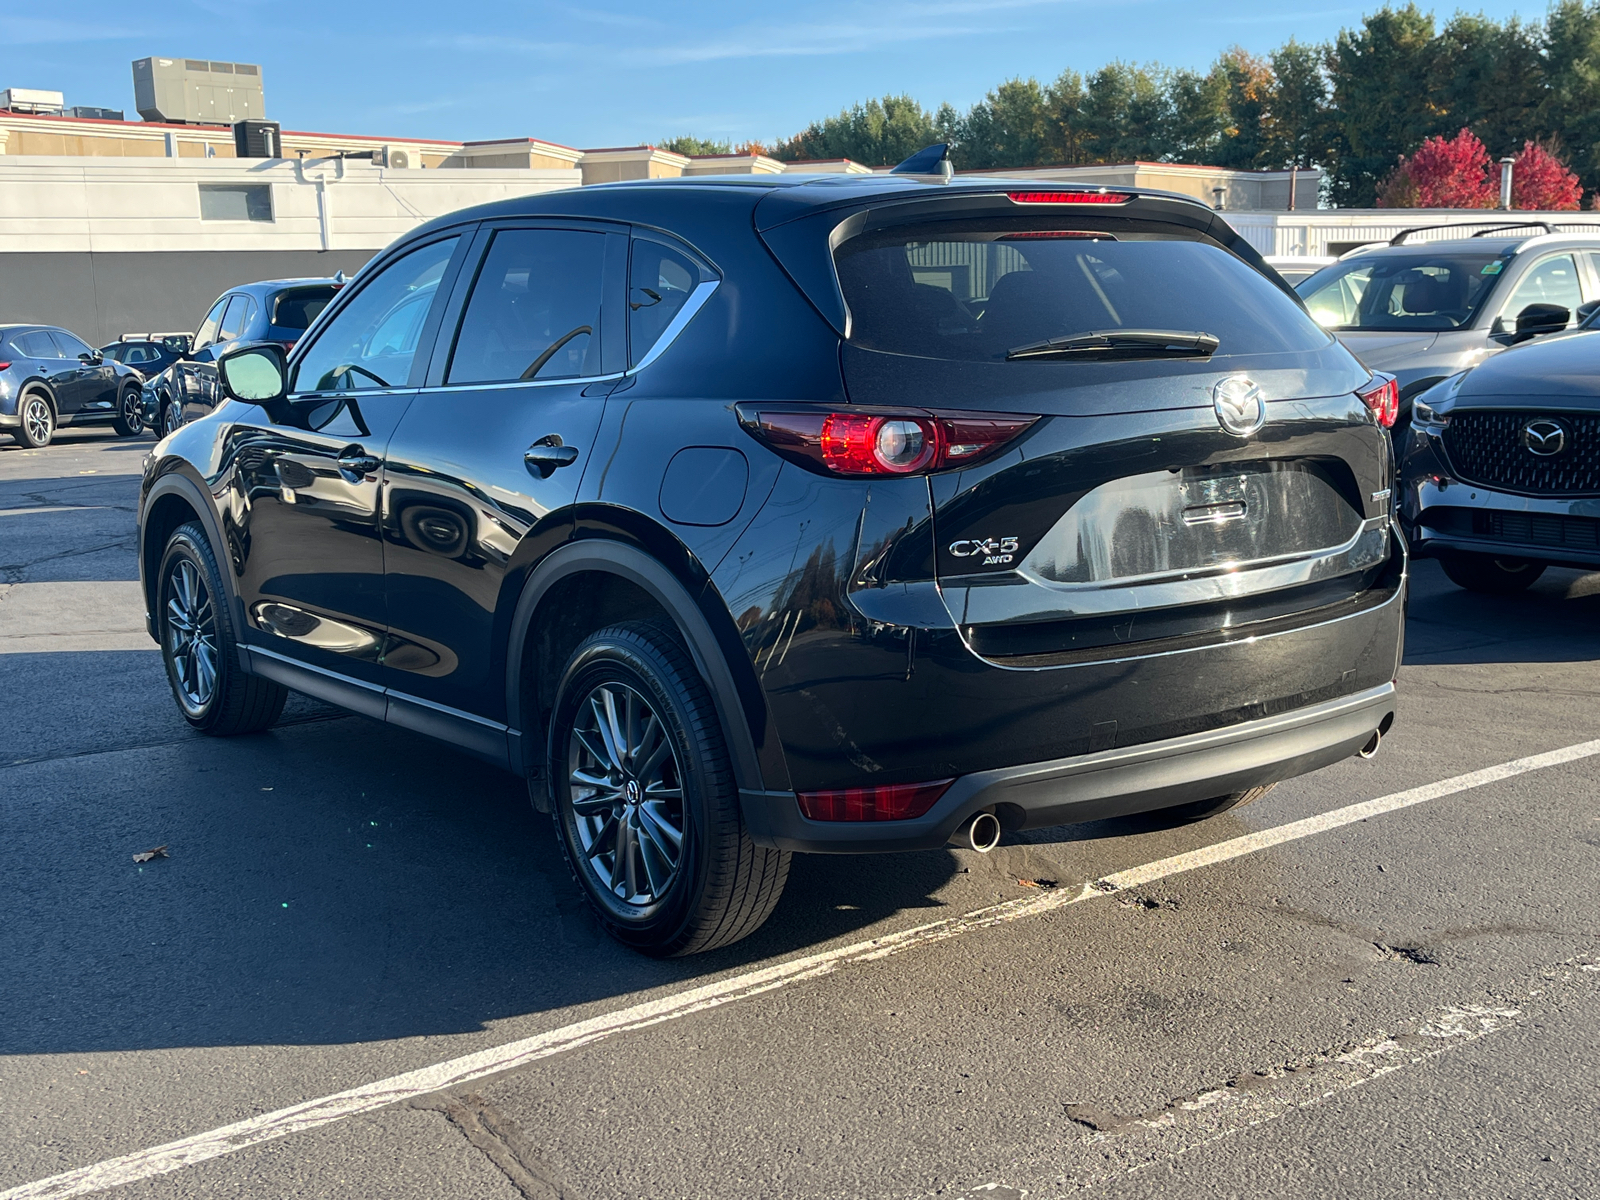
{"points": [[1426, 310]]}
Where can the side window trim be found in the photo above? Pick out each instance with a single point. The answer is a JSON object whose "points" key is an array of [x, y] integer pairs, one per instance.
{"points": [[465, 236], [449, 324]]}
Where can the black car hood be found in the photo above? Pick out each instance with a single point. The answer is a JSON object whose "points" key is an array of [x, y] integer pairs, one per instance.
{"points": [[1566, 367]]}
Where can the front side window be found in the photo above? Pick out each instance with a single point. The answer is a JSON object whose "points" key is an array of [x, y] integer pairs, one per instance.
{"points": [[991, 291], [1551, 281], [660, 282], [233, 321], [1420, 291], [355, 351], [535, 309], [207, 333], [71, 346]]}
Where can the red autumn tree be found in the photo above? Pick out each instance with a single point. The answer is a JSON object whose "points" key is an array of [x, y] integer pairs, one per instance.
{"points": [[1541, 181], [1443, 173]]}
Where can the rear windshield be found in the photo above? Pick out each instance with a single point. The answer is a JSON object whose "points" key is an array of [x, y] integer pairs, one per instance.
{"points": [[297, 309], [979, 294], [1426, 292]]}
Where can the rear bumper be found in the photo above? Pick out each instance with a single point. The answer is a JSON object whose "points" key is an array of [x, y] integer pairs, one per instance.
{"points": [[1109, 783]]}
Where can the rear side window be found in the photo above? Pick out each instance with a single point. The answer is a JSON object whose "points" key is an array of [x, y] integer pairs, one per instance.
{"points": [[660, 282], [297, 309], [978, 294], [35, 344], [535, 309]]}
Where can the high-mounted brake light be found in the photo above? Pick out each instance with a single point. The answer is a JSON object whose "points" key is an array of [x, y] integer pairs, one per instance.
{"points": [[1083, 234], [886, 802], [1382, 396], [880, 442], [1069, 197]]}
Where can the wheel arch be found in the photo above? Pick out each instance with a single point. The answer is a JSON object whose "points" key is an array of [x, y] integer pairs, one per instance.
{"points": [[609, 580], [173, 500]]}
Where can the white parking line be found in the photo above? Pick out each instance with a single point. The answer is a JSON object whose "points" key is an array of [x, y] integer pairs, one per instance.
{"points": [[313, 1114]]}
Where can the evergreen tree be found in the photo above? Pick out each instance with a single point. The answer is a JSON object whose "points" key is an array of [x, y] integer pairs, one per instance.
{"points": [[1571, 105], [1297, 131], [1380, 105], [878, 133]]}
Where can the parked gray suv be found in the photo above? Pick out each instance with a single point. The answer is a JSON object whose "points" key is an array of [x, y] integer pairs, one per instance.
{"points": [[1426, 310]]}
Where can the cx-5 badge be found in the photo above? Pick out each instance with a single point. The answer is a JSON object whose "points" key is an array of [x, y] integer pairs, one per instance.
{"points": [[1544, 437], [1241, 408], [995, 551]]}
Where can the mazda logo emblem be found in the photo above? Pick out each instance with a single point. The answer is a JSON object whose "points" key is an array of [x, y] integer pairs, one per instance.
{"points": [[1544, 437], [1241, 408]]}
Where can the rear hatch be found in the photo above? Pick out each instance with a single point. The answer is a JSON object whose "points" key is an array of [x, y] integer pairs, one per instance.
{"points": [[1127, 517]]}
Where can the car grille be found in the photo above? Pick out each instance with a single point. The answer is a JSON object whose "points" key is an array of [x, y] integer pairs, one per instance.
{"points": [[1538, 529], [1486, 448]]}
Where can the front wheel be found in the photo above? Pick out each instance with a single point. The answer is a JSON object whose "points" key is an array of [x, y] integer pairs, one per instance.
{"points": [[645, 803], [38, 423], [170, 420], [199, 647], [129, 421], [1493, 576]]}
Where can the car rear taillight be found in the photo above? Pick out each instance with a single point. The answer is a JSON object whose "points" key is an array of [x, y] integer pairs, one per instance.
{"points": [[886, 802], [4, 365], [1101, 197], [882, 442], [287, 346], [1382, 396]]}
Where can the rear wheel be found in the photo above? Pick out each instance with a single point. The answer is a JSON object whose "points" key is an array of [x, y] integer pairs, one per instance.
{"points": [[1199, 810], [1494, 576], [645, 802], [129, 421], [38, 424], [199, 647]]}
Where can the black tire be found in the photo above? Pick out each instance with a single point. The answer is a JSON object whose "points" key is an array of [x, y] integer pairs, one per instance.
{"points": [[1490, 575], [38, 424], [129, 421], [195, 625], [722, 886], [170, 420], [1199, 810]]}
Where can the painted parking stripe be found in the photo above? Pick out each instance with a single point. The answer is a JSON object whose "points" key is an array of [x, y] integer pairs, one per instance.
{"points": [[313, 1114]]}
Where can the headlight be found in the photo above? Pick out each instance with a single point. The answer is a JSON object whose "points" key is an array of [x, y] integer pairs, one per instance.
{"points": [[1424, 416]]}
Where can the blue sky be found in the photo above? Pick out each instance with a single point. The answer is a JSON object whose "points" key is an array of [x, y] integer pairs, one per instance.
{"points": [[617, 72]]}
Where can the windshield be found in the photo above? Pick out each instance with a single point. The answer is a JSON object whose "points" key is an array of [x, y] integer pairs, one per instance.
{"points": [[983, 293], [1421, 291]]}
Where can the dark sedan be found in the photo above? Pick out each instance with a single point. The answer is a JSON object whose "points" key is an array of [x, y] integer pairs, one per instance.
{"points": [[274, 310], [50, 378], [1501, 476]]}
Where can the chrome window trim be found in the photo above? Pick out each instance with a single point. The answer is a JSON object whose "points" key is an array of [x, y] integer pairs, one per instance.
{"points": [[512, 383], [691, 306]]}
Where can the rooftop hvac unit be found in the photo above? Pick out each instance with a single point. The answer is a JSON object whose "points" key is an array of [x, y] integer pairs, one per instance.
{"points": [[32, 100], [257, 139], [194, 91], [96, 114], [393, 156]]}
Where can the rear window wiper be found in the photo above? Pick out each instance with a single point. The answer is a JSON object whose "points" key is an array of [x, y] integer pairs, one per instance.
{"points": [[1121, 343]]}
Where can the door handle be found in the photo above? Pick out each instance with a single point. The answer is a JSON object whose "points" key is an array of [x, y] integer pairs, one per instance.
{"points": [[358, 461], [546, 455]]}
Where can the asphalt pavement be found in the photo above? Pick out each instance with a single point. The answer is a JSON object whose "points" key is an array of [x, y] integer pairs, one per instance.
{"points": [[1402, 1005]]}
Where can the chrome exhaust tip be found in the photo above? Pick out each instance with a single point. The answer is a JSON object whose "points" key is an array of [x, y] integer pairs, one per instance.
{"points": [[981, 833], [1370, 750]]}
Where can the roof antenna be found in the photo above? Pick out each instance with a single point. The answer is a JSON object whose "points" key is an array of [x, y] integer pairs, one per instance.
{"points": [[934, 160]]}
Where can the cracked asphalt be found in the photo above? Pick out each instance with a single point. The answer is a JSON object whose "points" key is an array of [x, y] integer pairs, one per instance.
{"points": [[1402, 1006]]}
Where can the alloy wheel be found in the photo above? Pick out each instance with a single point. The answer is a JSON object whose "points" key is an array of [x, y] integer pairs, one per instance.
{"points": [[191, 636], [169, 418], [38, 419], [627, 795], [132, 410]]}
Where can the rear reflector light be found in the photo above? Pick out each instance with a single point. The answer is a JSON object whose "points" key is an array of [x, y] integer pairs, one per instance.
{"points": [[874, 442], [1069, 197], [888, 802], [1382, 396]]}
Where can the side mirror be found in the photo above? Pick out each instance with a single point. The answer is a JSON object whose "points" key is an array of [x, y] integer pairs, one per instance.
{"points": [[1541, 318], [177, 344], [93, 357], [254, 374], [1587, 310]]}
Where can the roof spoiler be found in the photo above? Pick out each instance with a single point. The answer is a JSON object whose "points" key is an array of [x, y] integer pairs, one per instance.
{"points": [[931, 160]]}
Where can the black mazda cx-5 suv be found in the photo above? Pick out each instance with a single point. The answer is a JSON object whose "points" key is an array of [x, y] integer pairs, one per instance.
{"points": [[749, 516]]}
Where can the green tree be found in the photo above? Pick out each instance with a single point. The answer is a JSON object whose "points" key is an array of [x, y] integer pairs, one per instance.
{"points": [[1296, 130], [1199, 118], [693, 146], [1380, 102], [1125, 114], [1244, 84], [878, 133], [1010, 127], [1489, 77], [1571, 106]]}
